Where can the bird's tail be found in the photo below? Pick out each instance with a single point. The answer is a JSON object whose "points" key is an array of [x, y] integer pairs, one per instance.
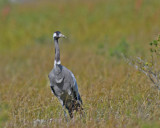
{"points": [[79, 99]]}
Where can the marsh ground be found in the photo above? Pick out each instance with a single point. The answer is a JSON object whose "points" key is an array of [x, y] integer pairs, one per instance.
{"points": [[114, 94]]}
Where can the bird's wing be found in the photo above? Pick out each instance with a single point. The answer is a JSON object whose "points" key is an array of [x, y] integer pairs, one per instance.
{"points": [[75, 87], [51, 79]]}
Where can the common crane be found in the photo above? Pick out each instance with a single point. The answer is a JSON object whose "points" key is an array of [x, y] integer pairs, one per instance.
{"points": [[63, 83]]}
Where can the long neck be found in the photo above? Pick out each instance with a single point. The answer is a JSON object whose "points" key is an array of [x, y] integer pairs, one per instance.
{"points": [[57, 52]]}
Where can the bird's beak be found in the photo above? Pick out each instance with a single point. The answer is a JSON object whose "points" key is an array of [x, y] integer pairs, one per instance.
{"points": [[61, 35]]}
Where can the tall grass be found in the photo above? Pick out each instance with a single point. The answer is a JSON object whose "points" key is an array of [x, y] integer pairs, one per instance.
{"points": [[114, 94]]}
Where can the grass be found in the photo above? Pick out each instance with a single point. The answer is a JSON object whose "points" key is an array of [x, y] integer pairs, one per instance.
{"points": [[114, 94]]}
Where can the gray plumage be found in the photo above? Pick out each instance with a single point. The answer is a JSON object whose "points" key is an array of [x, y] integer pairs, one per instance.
{"points": [[63, 83]]}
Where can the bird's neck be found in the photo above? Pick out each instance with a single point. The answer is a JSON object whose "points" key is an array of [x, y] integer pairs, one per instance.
{"points": [[57, 53]]}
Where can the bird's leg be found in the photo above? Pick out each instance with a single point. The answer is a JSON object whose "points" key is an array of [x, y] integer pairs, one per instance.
{"points": [[65, 114]]}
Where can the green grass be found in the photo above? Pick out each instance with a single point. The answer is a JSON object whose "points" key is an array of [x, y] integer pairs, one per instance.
{"points": [[114, 94]]}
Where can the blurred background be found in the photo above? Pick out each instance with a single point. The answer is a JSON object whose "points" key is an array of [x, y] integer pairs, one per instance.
{"points": [[98, 32]]}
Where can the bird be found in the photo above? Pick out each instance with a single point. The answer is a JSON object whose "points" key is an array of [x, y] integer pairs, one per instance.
{"points": [[63, 83]]}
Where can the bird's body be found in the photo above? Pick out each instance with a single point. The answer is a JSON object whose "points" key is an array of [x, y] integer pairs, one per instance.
{"points": [[63, 83]]}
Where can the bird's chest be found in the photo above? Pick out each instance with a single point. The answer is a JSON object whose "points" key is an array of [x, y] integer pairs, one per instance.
{"points": [[62, 88]]}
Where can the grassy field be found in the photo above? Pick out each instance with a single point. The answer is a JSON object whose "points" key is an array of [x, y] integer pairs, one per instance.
{"points": [[114, 94]]}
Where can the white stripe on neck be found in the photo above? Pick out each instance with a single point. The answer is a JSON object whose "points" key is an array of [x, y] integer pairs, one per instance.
{"points": [[57, 62]]}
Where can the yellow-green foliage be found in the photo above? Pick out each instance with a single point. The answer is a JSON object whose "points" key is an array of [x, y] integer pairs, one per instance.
{"points": [[114, 94]]}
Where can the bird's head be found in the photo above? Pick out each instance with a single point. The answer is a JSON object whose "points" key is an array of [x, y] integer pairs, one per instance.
{"points": [[58, 35]]}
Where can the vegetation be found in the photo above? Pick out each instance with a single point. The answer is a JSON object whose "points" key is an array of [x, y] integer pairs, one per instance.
{"points": [[114, 93], [149, 68]]}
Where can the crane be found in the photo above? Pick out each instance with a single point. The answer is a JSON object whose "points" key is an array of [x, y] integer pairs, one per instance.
{"points": [[63, 83]]}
